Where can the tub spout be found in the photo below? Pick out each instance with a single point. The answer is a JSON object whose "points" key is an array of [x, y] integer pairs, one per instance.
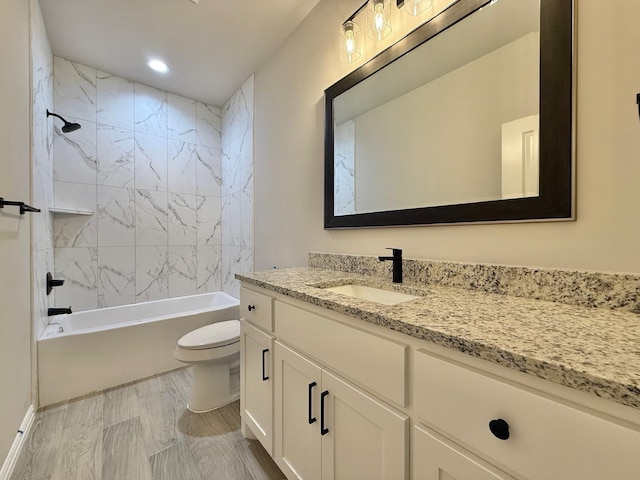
{"points": [[58, 311]]}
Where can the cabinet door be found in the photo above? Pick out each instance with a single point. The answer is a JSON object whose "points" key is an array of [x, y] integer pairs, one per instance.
{"points": [[256, 395], [363, 437], [297, 415], [435, 459]]}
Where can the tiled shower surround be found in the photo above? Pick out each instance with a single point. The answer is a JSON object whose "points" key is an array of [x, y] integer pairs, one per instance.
{"points": [[41, 167], [237, 187], [149, 165]]}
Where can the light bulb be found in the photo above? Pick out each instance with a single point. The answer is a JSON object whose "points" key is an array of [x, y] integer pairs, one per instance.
{"points": [[350, 45], [378, 18]]}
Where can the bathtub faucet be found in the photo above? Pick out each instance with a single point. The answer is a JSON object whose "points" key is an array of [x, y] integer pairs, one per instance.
{"points": [[58, 311]]}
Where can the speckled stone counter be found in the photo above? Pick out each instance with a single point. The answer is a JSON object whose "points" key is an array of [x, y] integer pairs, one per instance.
{"points": [[595, 350]]}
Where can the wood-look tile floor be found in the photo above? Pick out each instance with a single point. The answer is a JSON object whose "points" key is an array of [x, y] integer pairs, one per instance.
{"points": [[141, 431]]}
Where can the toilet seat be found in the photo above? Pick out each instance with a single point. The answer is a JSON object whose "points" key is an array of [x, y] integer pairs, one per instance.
{"points": [[216, 335]]}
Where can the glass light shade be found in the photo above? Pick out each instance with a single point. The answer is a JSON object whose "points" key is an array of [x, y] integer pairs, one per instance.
{"points": [[416, 7], [378, 19], [350, 42]]}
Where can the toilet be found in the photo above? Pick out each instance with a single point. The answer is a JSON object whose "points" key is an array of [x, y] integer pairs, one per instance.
{"points": [[213, 350]]}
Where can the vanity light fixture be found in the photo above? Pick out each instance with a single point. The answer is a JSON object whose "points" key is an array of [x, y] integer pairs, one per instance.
{"points": [[415, 7], [157, 65], [378, 24], [378, 14], [351, 44]]}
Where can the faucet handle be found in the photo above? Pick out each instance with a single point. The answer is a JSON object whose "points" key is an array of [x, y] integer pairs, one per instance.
{"points": [[51, 282], [396, 251]]}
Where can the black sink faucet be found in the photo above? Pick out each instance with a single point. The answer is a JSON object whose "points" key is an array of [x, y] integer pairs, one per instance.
{"points": [[58, 311], [397, 264]]}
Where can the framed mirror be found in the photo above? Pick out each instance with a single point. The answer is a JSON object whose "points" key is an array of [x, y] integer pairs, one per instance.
{"points": [[469, 118]]}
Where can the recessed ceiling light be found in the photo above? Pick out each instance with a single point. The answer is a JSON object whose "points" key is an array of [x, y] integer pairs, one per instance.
{"points": [[158, 65]]}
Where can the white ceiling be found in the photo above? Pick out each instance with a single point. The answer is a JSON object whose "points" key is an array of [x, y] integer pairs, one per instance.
{"points": [[211, 47]]}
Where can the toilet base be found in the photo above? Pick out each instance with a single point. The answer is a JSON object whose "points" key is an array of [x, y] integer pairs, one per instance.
{"points": [[211, 388], [232, 398]]}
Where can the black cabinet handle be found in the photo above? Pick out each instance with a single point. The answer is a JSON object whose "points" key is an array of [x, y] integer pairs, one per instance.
{"points": [[264, 376], [251, 307], [499, 428], [312, 419], [323, 429]]}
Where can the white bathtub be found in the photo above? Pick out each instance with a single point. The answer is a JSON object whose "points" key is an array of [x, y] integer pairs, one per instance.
{"points": [[99, 349]]}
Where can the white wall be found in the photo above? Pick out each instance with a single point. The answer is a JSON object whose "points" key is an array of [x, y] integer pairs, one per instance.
{"points": [[289, 158], [41, 179], [15, 286]]}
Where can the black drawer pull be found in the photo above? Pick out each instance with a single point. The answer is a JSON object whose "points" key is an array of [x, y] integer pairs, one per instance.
{"points": [[312, 419], [264, 376], [323, 429], [251, 307], [499, 428]]}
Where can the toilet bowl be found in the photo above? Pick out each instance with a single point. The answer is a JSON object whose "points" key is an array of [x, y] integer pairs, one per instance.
{"points": [[213, 350]]}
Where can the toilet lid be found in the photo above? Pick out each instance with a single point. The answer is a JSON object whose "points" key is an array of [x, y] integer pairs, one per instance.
{"points": [[215, 335]]}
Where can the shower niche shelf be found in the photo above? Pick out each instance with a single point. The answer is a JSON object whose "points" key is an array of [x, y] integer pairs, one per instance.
{"points": [[69, 211]]}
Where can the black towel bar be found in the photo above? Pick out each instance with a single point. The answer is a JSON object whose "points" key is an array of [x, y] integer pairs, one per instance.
{"points": [[23, 206]]}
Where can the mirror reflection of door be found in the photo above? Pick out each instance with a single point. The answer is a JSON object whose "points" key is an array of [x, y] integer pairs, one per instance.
{"points": [[520, 157]]}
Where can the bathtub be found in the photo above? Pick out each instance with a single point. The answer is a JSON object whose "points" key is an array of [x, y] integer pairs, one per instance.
{"points": [[94, 350]]}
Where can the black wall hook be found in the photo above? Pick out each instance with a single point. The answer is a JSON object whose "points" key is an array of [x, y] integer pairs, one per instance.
{"points": [[638, 102]]}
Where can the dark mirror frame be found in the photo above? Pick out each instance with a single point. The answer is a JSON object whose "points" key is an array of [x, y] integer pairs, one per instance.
{"points": [[556, 183]]}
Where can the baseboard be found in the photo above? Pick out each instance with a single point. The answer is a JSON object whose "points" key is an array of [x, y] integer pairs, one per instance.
{"points": [[16, 447]]}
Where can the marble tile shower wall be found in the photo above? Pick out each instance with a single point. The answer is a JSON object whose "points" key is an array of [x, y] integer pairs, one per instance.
{"points": [[42, 167], [148, 163], [237, 187], [345, 169]]}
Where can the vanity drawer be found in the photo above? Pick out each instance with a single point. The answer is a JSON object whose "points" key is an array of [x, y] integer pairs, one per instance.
{"points": [[257, 309], [376, 362], [547, 440]]}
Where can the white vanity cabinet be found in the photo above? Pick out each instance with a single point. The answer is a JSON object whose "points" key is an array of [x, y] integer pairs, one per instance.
{"points": [[532, 435], [256, 366], [435, 458], [297, 415], [381, 398], [326, 428]]}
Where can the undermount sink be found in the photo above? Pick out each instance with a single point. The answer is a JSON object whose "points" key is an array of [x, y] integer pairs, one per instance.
{"points": [[385, 297]]}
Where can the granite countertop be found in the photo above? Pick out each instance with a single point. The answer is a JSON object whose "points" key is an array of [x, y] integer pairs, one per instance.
{"points": [[595, 350]]}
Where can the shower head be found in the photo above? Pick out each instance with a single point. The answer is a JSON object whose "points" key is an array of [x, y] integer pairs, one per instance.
{"points": [[71, 127], [68, 126]]}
